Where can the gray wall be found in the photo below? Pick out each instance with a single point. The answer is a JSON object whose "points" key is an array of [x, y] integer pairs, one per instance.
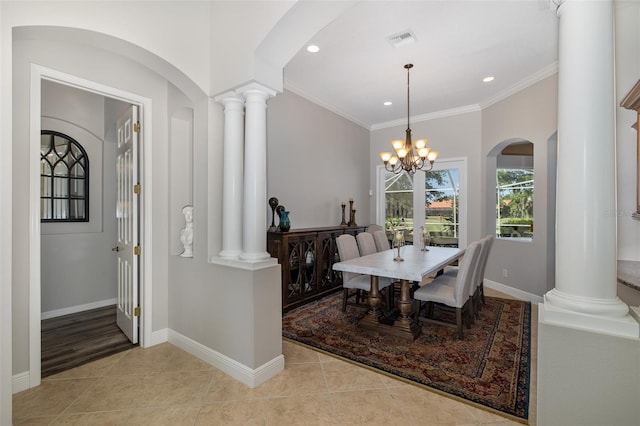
{"points": [[115, 71], [454, 137], [315, 160], [530, 114], [77, 265]]}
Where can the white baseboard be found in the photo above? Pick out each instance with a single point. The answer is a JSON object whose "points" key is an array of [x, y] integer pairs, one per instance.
{"points": [[20, 382], [246, 375], [158, 337], [77, 308], [513, 291]]}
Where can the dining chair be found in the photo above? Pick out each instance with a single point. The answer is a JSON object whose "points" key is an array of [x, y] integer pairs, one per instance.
{"points": [[476, 291], [483, 262], [455, 296], [381, 240], [374, 227], [366, 243], [348, 249]]}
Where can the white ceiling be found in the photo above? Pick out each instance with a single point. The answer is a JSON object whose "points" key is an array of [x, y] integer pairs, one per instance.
{"points": [[458, 43]]}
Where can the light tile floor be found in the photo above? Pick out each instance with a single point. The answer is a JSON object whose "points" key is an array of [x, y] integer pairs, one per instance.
{"points": [[164, 385]]}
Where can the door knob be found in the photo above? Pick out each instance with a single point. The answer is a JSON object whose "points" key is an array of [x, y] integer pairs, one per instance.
{"points": [[116, 248]]}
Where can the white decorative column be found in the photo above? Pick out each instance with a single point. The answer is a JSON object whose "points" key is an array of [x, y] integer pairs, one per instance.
{"points": [[254, 239], [585, 293], [232, 174]]}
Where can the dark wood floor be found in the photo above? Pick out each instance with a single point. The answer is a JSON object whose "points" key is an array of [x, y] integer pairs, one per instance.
{"points": [[72, 340]]}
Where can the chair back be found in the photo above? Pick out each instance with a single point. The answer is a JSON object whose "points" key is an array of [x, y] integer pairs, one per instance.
{"points": [[478, 271], [488, 243], [374, 227], [465, 277], [381, 240], [347, 249], [366, 244]]}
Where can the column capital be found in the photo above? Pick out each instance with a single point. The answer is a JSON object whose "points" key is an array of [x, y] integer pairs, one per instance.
{"points": [[254, 88], [229, 98]]}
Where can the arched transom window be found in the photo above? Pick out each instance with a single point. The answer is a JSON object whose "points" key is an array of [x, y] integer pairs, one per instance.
{"points": [[64, 179]]}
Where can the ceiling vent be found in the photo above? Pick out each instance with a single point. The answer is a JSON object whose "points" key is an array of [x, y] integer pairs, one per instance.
{"points": [[402, 38]]}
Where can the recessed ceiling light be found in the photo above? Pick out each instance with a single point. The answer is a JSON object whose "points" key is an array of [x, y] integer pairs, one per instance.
{"points": [[312, 48], [488, 79], [387, 103]]}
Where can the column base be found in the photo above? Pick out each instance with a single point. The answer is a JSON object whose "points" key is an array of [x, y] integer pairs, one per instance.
{"points": [[605, 321], [253, 257], [230, 254]]}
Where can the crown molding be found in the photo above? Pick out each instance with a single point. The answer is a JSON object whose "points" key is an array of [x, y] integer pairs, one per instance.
{"points": [[427, 117], [522, 84]]}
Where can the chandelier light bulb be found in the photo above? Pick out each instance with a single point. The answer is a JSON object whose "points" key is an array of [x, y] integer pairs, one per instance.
{"points": [[385, 156], [432, 156], [420, 143]]}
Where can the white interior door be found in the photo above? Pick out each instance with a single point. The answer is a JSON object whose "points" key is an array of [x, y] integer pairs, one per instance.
{"points": [[128, 248]]}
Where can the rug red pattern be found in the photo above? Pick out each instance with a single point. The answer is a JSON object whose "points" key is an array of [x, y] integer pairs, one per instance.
{"points": [[489, 366]]}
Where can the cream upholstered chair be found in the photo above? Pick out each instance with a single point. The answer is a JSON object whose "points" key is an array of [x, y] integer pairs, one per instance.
{"points": [[477, 287], [483, 266], [348, 249], [382, 242], [455, 296], [374, 227], [366, 244]]}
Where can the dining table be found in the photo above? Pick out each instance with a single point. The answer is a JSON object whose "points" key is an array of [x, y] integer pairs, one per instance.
{"points": [[408, 264]]}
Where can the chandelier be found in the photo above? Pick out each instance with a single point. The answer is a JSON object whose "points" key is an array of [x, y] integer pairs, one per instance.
{"points": [[405, 159]]}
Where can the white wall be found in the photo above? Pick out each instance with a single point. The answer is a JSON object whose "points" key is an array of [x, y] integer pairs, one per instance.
{"points": [[315, 160], [530, 114], [77, 264]]}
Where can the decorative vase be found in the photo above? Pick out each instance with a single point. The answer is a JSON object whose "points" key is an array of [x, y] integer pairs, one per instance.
{"points": [[284, 224]]}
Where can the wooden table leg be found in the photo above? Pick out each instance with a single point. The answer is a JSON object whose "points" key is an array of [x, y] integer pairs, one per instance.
{"points": [[374, 299], [371, 319], [405, 323]]}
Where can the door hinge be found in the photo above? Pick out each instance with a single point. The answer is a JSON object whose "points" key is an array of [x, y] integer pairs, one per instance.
{"points": [[137, 188], [137, 250], [136, 127], [136, 311]]}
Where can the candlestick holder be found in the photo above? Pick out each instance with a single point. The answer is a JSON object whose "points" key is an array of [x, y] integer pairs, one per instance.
{"points": [[344, 222], [352, 218], [350, 223], [425, 238], [273, 203], [398, 242]]}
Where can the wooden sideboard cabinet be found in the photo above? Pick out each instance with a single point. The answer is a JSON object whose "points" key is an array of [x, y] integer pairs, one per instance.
{"points": [[306, 257]]}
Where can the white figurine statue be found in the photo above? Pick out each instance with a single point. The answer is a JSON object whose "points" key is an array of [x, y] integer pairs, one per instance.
{"points": [[186, 235]]}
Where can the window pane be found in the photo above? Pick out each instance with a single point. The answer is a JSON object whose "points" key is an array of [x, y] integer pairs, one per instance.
{"points": [[77, 188], [77, 170], [60, 187], [45, 186], [442, 201], [61, 145], [45, 144], [76, 209], [514, 203], [45, 208], [60, 209], [398, 200], [61, 169]]}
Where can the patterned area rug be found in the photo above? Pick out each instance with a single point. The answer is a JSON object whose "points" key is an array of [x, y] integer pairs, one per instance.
{"points": [[488, 367]]}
